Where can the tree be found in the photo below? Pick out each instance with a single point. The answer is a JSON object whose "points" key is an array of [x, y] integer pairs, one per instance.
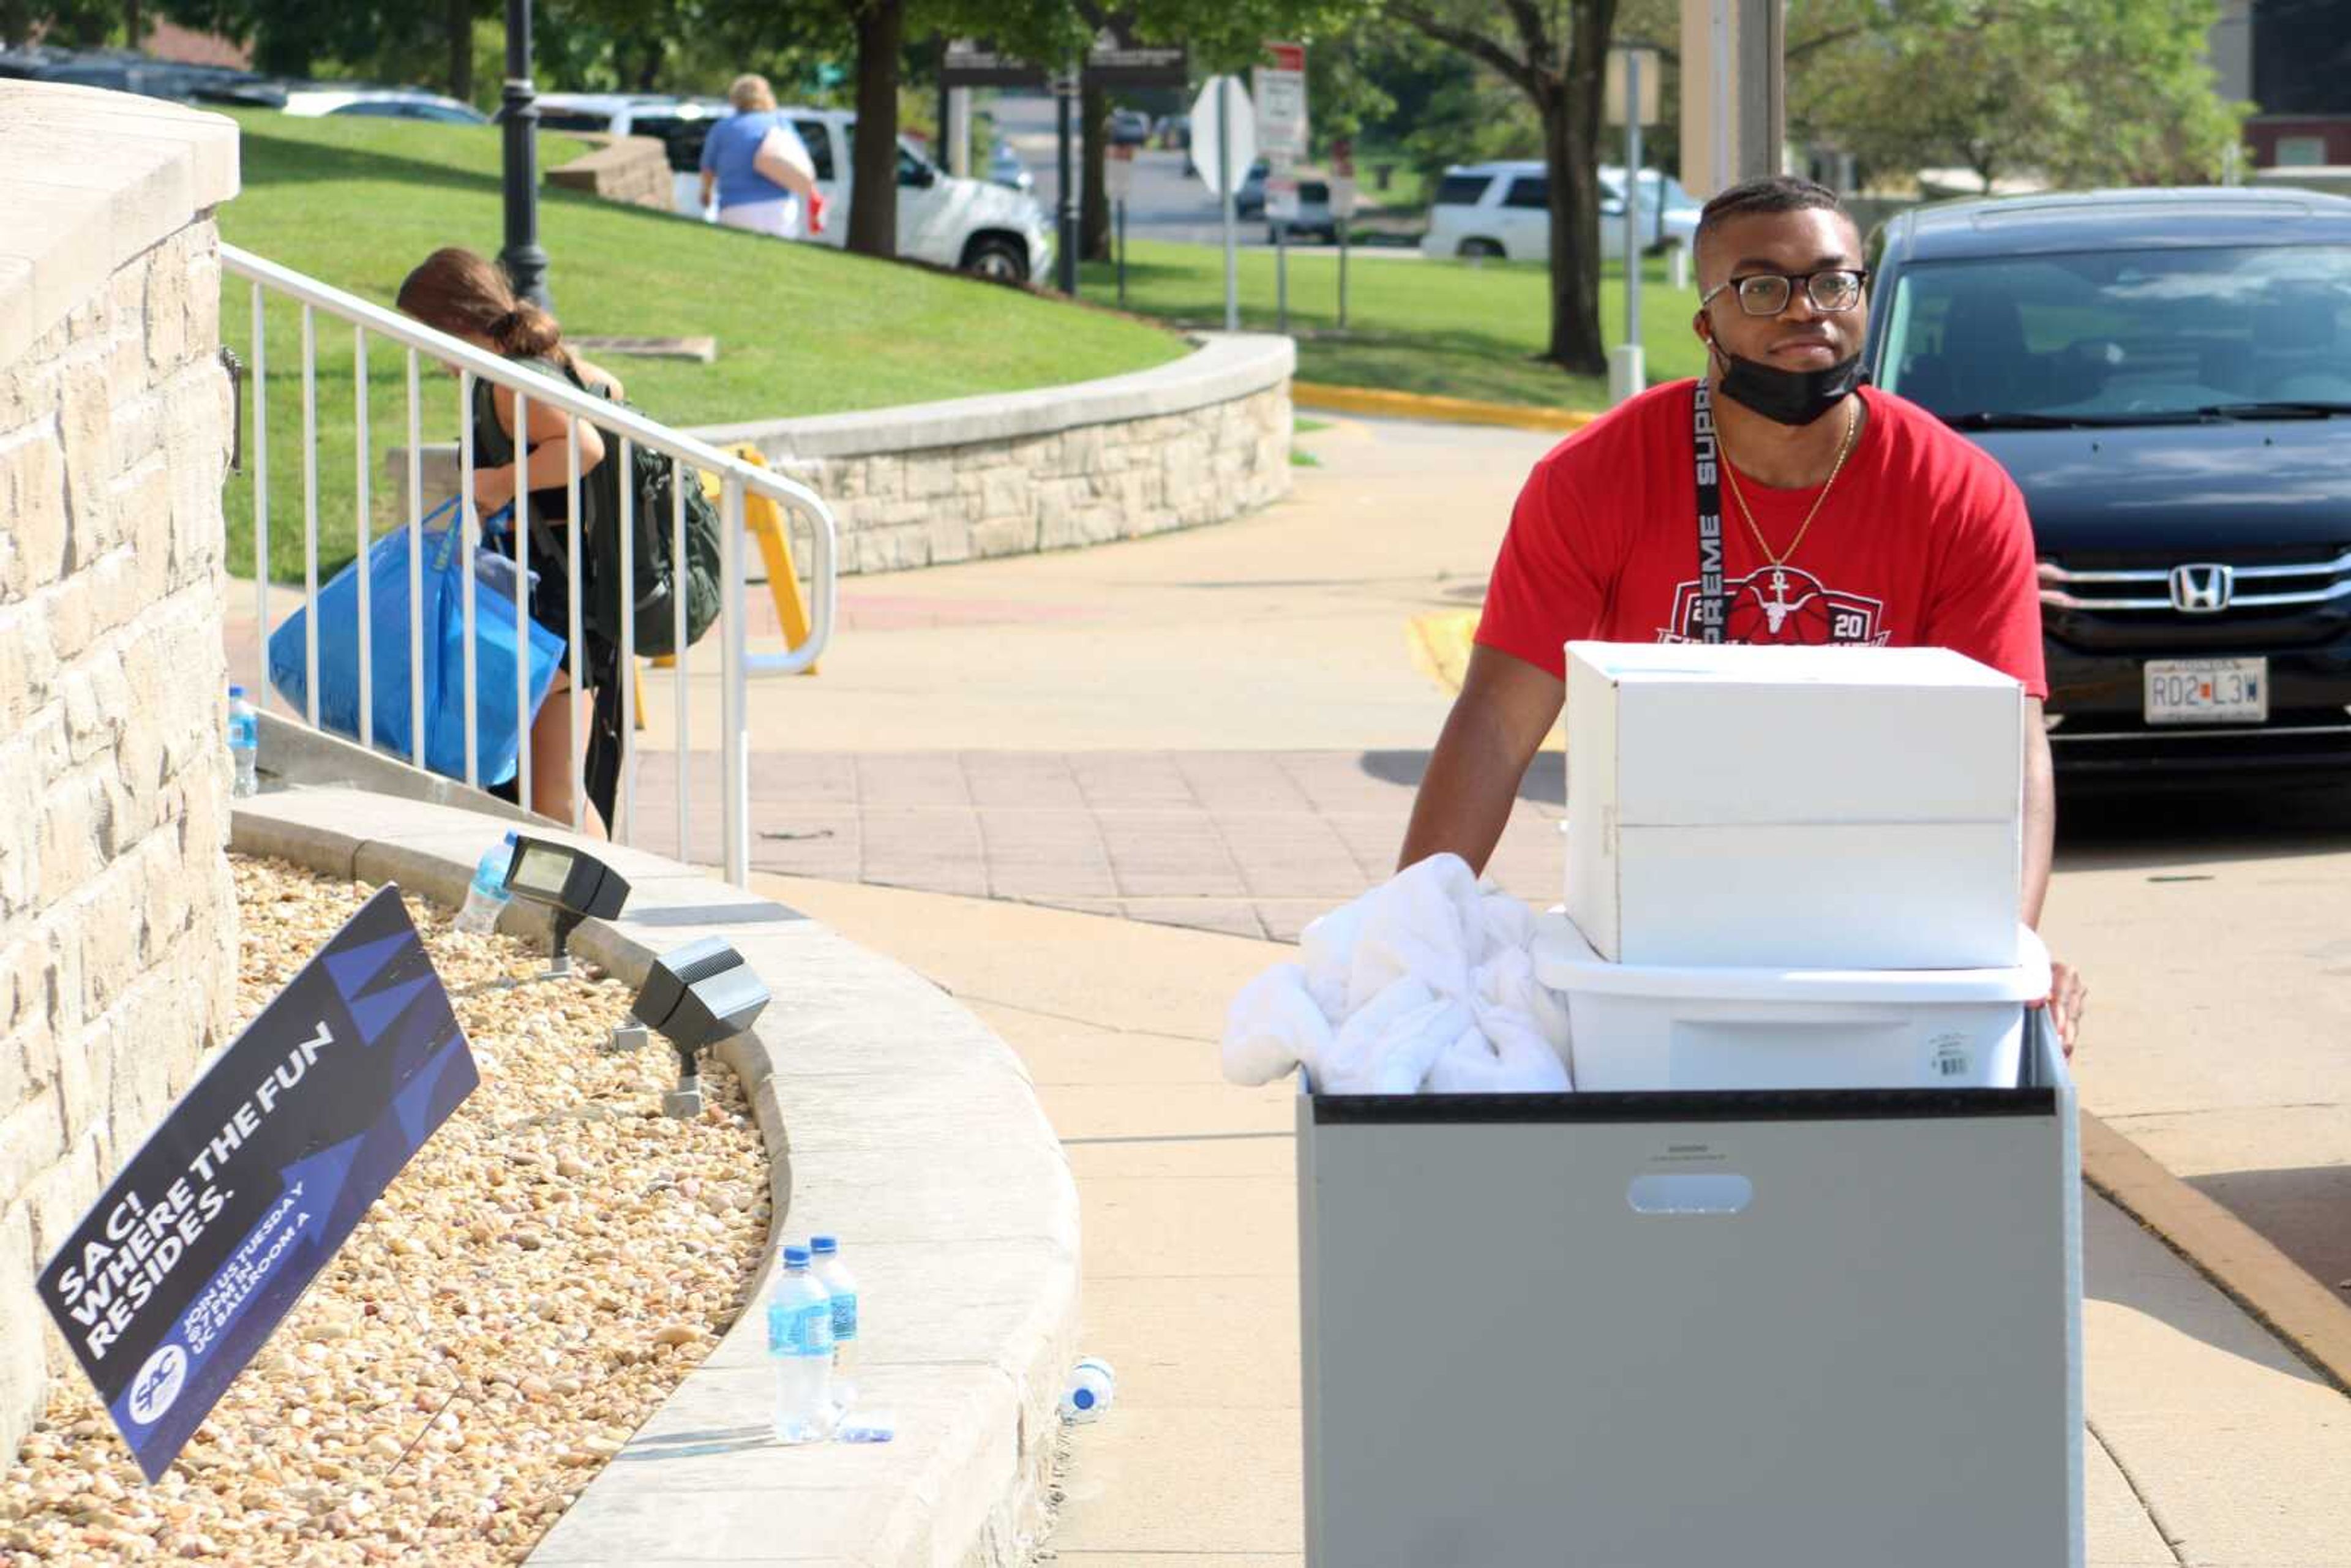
{"points": [[1556, 55], [2081, 92]]}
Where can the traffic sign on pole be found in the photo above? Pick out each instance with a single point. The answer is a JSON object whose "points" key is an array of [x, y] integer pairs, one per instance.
{"points": [[1207, 137]]}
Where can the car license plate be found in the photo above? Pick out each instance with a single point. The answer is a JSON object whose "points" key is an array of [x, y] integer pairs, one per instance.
{"points": [[2208, 691]]}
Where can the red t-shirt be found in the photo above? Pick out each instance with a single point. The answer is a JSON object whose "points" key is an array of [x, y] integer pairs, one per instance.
{"points": [[1924, 542]]}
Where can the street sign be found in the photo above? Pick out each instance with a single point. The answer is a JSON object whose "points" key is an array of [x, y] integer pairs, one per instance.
{"points": [[1242, 116], [1281, 101], [176, 1278], [1651, 73], [1118, 172], [1116, 58], [1343, 197]]}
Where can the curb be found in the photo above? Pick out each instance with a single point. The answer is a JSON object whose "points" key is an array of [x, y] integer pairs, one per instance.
{"points": [[2241, 1263], [1384, 404], [890, 1115]]}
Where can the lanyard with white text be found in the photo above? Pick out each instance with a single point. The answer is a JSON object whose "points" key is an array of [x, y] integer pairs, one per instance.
{"points": [[1707, 456]]}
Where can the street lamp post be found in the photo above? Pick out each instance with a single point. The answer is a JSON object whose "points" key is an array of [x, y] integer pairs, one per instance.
{"points": [[1065, 97], [524, 261]]}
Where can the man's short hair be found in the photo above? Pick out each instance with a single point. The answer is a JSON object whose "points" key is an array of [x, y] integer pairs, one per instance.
{"points": [[1751, 198]]}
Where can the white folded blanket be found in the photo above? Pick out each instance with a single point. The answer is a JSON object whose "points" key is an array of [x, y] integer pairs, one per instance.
{"points": [[1425, 984]]}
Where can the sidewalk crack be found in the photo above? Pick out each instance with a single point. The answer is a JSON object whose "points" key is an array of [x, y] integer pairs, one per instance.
{"points": [[2153, 1516]]}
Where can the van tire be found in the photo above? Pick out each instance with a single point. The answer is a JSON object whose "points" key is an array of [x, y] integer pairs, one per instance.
{"points": [[997, 257], [1481, 250]]}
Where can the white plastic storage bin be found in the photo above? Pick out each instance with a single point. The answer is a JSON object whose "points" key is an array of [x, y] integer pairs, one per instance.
{"points": [[1793, 806], [1645, 1027]]}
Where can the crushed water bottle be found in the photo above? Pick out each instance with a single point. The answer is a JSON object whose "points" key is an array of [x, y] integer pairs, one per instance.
{"points": [[842, 1286], [487, 895], [244, 744], [799, 1343], [1092, 1387]]}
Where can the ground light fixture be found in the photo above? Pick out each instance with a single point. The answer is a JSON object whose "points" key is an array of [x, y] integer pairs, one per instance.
{"points": [[571, 885], [695, 997]]}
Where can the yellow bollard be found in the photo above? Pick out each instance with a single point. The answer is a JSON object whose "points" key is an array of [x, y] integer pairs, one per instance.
{"points": [[765, 519]]}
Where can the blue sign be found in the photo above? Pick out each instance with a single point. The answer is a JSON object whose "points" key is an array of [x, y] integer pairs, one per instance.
{"points": [[216, 1226]]}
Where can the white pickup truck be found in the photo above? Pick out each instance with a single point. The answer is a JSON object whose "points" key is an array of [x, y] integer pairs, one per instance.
{"points": [[970, 225]]}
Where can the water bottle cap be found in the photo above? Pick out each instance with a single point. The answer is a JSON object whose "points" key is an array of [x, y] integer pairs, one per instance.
{"points": [[1082, 1399], [796, 1257], [237, 691], [510, 838], [823, 1246]]}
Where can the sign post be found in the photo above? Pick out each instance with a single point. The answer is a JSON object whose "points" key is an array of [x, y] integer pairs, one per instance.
{"points": [[1343, 209], [1282, 133], [1224, 144], [1118, 184], [1631, 101], [213, 1229]]}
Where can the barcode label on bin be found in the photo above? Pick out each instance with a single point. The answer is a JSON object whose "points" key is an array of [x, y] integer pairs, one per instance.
{"points": [[1950, 1057]]}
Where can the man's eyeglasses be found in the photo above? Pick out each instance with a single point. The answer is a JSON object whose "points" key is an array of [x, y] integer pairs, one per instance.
{"points": [[1832, 290]]}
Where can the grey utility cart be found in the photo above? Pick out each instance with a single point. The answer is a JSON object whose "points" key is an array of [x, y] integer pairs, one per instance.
{"points": [[1811, 1329]]}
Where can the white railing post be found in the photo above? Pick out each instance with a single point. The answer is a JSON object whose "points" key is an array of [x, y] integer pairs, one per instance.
{"points": [[469, 529], [519, 525], [310, 512], [260, 502], [415, 566], [735, 702], [361, 533], [677, 473], [576, 693], [627, 830]]}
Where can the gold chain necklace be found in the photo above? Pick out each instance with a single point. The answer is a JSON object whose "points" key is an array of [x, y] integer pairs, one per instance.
{"points": [[1845, 450]]}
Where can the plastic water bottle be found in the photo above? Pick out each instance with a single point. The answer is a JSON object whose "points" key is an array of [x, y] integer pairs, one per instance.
{"points": [[842, 1286], [799, 1343], [487, 895], [1093, 1387], [244, 744]]}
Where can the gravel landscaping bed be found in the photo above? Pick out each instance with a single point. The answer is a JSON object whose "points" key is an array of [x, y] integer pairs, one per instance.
{"points": [[528, 1291]]}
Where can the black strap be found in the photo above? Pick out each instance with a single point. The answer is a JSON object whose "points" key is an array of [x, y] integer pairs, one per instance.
{"points": [[1705, 458]]}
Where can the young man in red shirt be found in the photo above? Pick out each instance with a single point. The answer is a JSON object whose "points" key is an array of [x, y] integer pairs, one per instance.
{"points": [[1842, 515]]}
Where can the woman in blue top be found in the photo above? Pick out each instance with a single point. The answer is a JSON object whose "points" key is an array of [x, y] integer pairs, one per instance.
{"points": [[747, 198]]}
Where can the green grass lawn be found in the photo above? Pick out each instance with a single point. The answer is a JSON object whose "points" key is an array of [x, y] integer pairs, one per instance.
{"points": [[1445, 327], [801, 330]]}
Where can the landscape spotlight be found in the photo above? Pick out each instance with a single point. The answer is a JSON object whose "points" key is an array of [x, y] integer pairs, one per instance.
{"points": [[694, 997], [571, 883]]}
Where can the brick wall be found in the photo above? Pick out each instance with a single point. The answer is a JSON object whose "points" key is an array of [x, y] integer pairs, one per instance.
{"points": [[632, 169], [118, 932]]}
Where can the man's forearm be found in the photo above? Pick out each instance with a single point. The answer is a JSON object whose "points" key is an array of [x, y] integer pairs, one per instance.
{"points": [[1457, 808], [2040, 813]]}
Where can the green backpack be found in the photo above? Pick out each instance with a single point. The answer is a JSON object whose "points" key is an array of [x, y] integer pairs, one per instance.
{"points": [[653, 575]]}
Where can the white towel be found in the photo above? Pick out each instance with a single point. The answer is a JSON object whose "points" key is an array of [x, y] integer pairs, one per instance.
{"points": [[1426, 983]]}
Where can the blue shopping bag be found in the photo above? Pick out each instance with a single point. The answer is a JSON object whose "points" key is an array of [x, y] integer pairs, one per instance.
{"points": [[498, 730]]}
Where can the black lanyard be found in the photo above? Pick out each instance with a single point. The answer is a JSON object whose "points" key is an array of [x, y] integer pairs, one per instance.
{"points": [[1705, 458]]}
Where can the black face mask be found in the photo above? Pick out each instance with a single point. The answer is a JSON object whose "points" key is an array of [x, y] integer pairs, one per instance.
{"points": [[1787, 397]]}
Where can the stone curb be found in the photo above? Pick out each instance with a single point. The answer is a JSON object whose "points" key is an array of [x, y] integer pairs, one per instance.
{"points": [[1223, 369], [2245, 1266], [892, 1117], [1383, 405]]}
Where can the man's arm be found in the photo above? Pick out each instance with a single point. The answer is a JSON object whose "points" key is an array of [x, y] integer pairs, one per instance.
{"points": [[1498, 724]]}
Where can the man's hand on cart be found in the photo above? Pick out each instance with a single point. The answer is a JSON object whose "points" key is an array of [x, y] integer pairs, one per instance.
{"points": [[2067, 996]]}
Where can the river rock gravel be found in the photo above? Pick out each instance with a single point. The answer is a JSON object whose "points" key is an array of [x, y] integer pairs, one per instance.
{"points": [[544, 1272]]}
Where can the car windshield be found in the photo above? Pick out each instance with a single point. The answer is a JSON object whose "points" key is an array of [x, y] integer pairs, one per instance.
{"points": [[2122, 336]]}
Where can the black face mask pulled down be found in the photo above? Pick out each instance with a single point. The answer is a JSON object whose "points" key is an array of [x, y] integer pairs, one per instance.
{"points": [[1787, 397]]}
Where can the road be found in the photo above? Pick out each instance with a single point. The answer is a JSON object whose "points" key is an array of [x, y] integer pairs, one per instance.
{"points": [[1168, 202]]}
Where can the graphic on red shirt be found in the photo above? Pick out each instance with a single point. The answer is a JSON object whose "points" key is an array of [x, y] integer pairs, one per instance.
{"points": [[1923, 541], [1782, 604]]}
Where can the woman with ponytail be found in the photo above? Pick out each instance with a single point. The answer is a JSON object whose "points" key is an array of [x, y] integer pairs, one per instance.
{"points": [[469, 298]]}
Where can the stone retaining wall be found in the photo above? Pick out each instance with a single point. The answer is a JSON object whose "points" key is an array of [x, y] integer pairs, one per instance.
{"points": [[632, 170], [118, 921]]}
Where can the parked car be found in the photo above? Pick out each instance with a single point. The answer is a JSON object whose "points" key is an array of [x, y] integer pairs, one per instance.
{"points": [[970, 225], [1249, 201], [680, 124], [1129, 127], [386, 102], [123, 70], [1314, 219], [1004, 168], [2167, 375], [1174, 132], [1502, 212]]}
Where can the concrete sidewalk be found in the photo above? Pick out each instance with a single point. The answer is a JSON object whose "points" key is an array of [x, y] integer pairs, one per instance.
{"points": [[2210, 1443]]}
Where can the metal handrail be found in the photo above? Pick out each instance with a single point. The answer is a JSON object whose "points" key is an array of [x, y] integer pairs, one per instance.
{"points": [[738, 479]]}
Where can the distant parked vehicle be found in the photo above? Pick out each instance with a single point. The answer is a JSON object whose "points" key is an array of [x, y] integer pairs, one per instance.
{"points": [[1004, 168], [972, 226], [1502, 212], [1129, 127], [1249, 201], [1314, 219], [1174, 132], [382, 102], [121, 70]]}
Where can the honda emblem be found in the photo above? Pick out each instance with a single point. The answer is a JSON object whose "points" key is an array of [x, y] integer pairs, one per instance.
{"points": [[2201, 588]]}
